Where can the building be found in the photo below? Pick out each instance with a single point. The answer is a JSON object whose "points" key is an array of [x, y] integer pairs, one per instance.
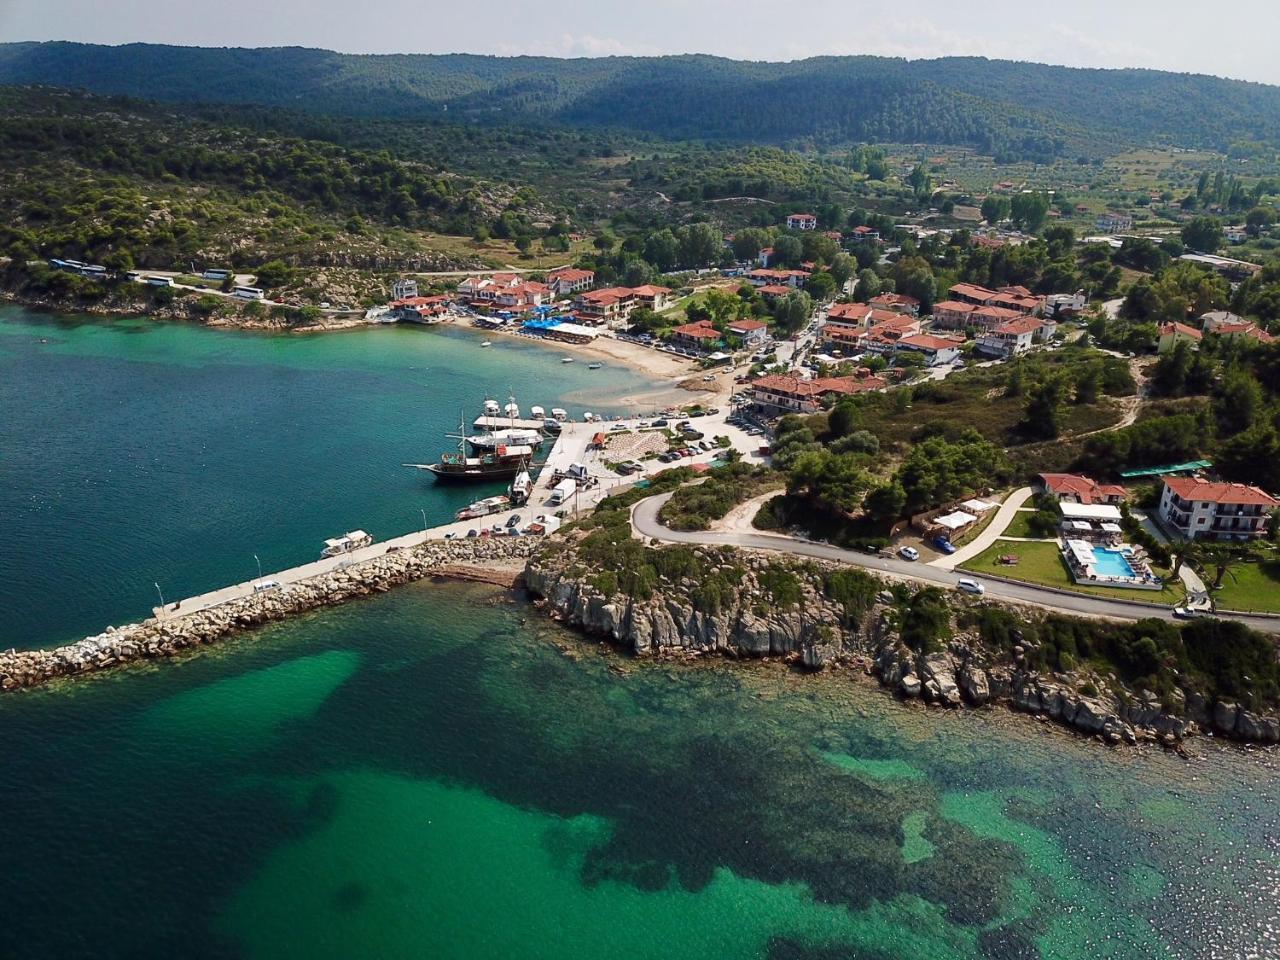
{"points": [[864, 235], [1222, 323], [419, 309], [802, 221], [406, 288], [971, 293], [1236, 234], [765, 277], [699, 335], [481, 291], [610, 307], [1080, 489], [655, 298], [1113, 223], [952, 314], [1229, 268], [774, 291], [751, 332], [1171, 334], [896, 302], [937, 351], [1195, 508], [566, 280], [1014, 337], [1061, 305], [1018, 299], [783, 393]]}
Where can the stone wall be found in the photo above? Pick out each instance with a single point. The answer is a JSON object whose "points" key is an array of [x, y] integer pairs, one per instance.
{"points": [[153, 638]]}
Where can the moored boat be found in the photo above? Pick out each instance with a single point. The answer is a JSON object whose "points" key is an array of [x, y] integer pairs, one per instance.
{"points": [[346, 543], [484, 508]]}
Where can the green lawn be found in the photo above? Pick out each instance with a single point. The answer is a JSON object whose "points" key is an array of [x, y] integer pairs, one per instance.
{"points": [[1250, 586], [1020, 525], [1042, 563]]}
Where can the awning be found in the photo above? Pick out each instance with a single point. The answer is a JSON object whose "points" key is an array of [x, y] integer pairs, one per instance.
{"points": [[1089, 511], [978, 506], [954, 521]]}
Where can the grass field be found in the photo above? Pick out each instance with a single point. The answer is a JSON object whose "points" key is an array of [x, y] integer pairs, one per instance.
{"points": [[1251, 586], [1019, 527], [1042, 563]]}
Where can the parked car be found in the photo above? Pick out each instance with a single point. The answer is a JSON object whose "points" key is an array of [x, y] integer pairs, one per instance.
{"points": [[909, 553], [1185, 612], [264, 585], [452, 534], [473, 533], [945, 545], [513, 520], [660, 423], [970, 586]]}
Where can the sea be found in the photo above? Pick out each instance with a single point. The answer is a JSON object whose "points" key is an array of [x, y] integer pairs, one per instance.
{"points": [[441, 772]]}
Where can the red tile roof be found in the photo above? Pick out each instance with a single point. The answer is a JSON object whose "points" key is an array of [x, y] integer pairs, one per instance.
{"points": [[1085, 488], [775, 290], [926, 342], [1181, 329], [796, 387], [747, 325], [1209, 491], [895, 299], [699, 330], [1016, 327], [957, 306], [972, 290]]}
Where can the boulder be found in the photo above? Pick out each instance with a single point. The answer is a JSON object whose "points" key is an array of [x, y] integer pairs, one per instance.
{"points": [[910, 685], [974, 685], [1225, 715]]}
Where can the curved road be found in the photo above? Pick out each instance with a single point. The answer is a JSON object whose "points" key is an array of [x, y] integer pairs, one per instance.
{"points": [[644, 521]]}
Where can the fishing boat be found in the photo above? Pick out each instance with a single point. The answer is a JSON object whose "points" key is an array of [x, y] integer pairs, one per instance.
{"points": [[346, 543], [484, 508]]}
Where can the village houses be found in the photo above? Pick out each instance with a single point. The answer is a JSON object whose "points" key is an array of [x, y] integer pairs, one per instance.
{"points": [[1195, 508]]}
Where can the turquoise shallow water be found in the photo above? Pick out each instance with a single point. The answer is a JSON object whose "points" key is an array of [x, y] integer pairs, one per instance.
{"points": [[439, 772], [133, 452]]}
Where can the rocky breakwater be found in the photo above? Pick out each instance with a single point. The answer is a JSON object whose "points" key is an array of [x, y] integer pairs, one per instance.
{"points": [[681, 616], [477, 559]]}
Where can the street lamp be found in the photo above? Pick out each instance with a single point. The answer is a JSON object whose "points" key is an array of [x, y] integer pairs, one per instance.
{"points": [[424, 518], [161, 595], [255, 557]]}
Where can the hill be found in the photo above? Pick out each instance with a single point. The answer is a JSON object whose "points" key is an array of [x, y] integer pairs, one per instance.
{"points": [[1005, 108]]}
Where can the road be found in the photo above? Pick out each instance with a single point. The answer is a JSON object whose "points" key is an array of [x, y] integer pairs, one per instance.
{"points": [[644, 519]]}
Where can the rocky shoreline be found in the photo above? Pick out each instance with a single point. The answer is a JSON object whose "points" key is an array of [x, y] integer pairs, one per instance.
{"points": [[964, 674], [490, 560]]}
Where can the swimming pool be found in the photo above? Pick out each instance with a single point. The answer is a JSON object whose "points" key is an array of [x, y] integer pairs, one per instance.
{"points": [[1111, 563]]}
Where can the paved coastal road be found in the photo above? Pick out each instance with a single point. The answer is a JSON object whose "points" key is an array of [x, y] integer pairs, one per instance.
{"points": [[644, 519]]}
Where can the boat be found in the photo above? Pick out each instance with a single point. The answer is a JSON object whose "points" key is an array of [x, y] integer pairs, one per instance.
{"points": [[566, 359], [484, 508], [503, 462], [594, 366], [521, 487], [486, 343], [346, 543], [488, 442]]}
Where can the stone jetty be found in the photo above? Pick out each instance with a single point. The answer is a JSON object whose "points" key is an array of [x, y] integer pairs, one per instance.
{"points": [[489, 560]]}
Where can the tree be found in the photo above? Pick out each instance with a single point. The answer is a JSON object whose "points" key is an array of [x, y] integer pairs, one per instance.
{"points": [[920, 182], [869, 285], [834, 480], [794, 310], [1061, 240], [1239, 402], [748, 242], [1259, 220], [821, 285], [700, 244], [1088, 383], [995, 209], [841, 269], [274, 273], [787, 250], [662, 249], [1203, 234], [1030, 210], [1043, 416], [914, 277]]}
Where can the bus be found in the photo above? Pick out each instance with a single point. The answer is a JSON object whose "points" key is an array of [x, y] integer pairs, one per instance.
{"points": [[249, 293]]}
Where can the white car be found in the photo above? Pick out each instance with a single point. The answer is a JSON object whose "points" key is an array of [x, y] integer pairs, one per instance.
{"points": [[1186, 612], [970, 586], [909, 553], [262, 586]]}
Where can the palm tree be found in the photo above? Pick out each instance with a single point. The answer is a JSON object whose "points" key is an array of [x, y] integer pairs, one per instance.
{"points": [[1221, 556]]}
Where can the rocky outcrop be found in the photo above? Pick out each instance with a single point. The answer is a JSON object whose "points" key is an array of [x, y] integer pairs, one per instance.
{"points": [[154, 638], [963, 673]]}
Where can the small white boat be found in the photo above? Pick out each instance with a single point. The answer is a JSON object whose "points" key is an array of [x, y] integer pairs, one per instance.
{"points": [[345, 544], [486, 343], [566, 359], [594, 366]]}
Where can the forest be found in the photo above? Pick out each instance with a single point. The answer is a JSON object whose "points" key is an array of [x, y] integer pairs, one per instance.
{"points": [[1011, 110]]}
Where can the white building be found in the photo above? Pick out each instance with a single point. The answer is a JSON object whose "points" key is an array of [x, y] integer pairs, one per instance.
{"points": [[1203, 509], [404, 289]]}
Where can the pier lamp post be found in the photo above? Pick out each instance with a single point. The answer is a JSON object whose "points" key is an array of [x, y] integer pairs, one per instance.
{"points": [[424, 519], [161, 595], [259, 562]]}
